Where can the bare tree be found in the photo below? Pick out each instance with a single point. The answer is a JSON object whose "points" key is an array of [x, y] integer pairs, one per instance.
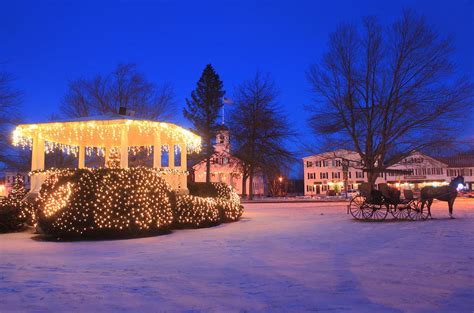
{"points": [[259, 128], [124, 87], [385, 92], [10, 102]]}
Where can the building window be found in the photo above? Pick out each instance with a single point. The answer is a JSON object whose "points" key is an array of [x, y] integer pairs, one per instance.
{"points": [[325, 163], [338, 163], [309, 164]]}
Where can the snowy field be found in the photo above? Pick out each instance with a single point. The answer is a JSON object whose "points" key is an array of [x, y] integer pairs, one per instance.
{"points": [[278, 258]]}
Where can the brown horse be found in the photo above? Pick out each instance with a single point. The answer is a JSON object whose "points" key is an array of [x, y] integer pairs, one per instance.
{"points": [[443, 193]]}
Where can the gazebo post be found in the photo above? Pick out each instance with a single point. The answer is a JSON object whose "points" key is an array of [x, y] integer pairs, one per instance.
{"points": [[82, 157], [183, 180], [171, 155], [106, 155], [157, 150], [182, 148], [37, 161], [124, 149]]}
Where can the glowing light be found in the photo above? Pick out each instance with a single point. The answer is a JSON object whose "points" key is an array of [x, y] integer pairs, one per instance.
{"points": [[67, 136], [75, 202]]}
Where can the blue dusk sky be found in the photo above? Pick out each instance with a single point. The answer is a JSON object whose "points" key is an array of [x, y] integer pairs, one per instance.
{"points": [[45, 44]]}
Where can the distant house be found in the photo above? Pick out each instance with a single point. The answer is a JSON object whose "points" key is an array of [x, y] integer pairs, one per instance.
{"points": [[324, 172], [226, 167], [461, 165]]}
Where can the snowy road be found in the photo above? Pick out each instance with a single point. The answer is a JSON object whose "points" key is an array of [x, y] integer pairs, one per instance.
{"points": [[278, 258]]}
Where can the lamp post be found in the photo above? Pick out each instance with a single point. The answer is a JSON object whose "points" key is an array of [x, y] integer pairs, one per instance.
{"points": [[280, 179]]}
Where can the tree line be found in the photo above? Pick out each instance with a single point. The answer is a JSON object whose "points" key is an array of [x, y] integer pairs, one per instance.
{"points": [[380, 90]]}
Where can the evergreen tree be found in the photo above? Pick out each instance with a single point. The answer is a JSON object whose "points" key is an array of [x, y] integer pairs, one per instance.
{"points": [[202, 110], [18, 191], [114, 158]]}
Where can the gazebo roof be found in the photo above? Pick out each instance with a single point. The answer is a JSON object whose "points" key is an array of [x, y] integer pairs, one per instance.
{"points": [[105, 131]]}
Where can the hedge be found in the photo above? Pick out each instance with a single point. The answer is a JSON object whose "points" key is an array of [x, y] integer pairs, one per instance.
{"points": [[100, 203], [104, 202]]}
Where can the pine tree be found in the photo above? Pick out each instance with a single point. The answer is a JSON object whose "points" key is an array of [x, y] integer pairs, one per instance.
{"points": [[203, 109], [18, 191], [114, 158]]}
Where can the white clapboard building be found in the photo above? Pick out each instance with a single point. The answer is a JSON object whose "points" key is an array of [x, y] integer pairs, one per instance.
{"points": [[324, 172]]}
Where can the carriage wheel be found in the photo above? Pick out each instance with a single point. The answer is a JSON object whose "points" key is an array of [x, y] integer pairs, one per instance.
{"points": [[378, 212], [400, 212], [358, 208], [415, 211]]}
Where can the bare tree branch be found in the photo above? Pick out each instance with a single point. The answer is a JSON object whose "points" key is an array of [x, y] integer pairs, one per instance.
{"points": [[389, 90]]}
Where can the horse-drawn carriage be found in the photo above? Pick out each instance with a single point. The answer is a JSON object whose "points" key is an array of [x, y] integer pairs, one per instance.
{"points": [[376, 204]]}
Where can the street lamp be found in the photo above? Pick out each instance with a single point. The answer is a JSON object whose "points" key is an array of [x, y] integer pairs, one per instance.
{"points": [[280, 179]]}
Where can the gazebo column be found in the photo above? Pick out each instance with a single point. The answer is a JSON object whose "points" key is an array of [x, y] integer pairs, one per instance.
{"points": [[37, 162], [82, 157], [183, 180], [124, 149], [182, 148], [171, 155], [157, 151], [106, 156]]}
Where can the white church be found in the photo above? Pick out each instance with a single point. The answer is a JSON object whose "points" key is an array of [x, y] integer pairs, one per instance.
{"points": [[226, 167]]}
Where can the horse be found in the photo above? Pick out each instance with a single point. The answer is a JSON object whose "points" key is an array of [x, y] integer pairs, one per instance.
{"points": [[443, 193]]}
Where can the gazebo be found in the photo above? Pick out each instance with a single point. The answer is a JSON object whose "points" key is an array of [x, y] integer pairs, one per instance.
{"points": [[101, 135]]}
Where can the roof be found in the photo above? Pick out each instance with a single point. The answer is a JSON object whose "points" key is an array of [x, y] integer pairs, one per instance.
{"points": [[332, 154], [459, 161], [106, 131], [109, 116], [222, 127]]}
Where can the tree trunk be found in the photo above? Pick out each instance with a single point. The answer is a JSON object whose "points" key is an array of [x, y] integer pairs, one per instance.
{"points": [[208, 170], [371, 177], [208, 162], [244, 185], [251, 183]]}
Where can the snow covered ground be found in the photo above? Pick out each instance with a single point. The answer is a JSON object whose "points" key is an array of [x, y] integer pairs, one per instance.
{"points": [[279, 258]]}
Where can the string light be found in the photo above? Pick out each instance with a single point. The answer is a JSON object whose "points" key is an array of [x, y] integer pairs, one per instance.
{"points": [[92, 202], [68, 136]]}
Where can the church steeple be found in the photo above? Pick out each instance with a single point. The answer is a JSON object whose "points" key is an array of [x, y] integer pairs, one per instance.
{"points": [[222, 139]]}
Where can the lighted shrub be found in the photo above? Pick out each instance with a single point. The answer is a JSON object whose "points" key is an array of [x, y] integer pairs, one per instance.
{"points": [[114, 202], [12, 216], [192, 211], [227, 201], [14, 212], [230, 211], [104, 202]]}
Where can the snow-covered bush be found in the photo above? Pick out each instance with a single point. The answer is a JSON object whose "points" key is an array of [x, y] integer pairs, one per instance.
{"points": [[104, 202]]}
